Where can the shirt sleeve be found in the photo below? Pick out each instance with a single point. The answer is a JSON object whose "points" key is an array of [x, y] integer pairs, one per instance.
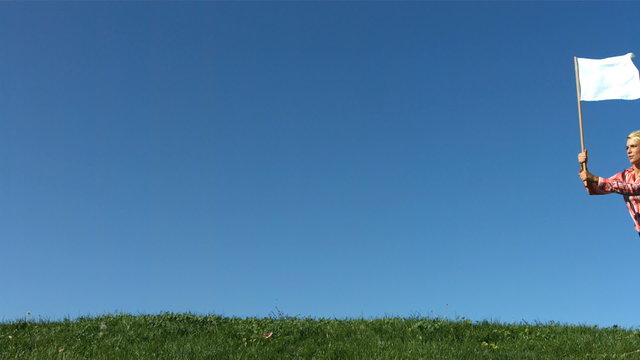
{"points": [[615, 184], [600, 188]]}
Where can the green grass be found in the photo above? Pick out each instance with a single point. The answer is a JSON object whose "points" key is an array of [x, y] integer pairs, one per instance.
{"points": [[186, 336]]}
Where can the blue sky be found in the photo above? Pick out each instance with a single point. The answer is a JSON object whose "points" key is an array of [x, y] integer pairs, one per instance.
{"points": [[324, 159]]}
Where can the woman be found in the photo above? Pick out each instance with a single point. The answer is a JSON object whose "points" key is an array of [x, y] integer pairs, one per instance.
{"points": [[626, 183]]}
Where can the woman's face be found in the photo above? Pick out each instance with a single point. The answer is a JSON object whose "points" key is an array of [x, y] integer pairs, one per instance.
{"points": [[633, 151]]}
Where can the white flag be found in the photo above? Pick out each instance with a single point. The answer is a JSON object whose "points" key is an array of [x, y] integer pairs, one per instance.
{"points": [[607, 79]]}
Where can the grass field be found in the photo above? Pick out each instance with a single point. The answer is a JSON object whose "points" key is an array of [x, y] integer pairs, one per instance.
{"points": [[187, 336]]}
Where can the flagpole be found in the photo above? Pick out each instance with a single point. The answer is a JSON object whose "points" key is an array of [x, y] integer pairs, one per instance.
{"points": [[575, 63]]}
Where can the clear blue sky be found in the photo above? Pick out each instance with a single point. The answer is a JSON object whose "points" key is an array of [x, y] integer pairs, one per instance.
{"points": [[324, 159]]}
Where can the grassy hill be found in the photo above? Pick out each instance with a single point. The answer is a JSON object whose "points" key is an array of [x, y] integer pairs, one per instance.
{"points": [[186, 336]]}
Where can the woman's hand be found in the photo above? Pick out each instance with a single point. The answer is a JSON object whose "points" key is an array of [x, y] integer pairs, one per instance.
{"points": [[587, 177], [583, 158]]}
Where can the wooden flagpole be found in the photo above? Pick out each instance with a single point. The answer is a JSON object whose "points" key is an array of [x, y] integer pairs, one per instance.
{"points": [[575, 63]]}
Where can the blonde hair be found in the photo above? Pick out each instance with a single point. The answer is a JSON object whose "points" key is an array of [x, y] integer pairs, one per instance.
{"points": [[634, 135]]}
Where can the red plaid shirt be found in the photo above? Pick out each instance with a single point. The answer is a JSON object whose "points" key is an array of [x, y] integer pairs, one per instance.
{"points": [[625, 183]]}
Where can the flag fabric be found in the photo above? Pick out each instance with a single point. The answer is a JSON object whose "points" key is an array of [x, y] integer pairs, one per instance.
{"points": [[608, 79]]}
